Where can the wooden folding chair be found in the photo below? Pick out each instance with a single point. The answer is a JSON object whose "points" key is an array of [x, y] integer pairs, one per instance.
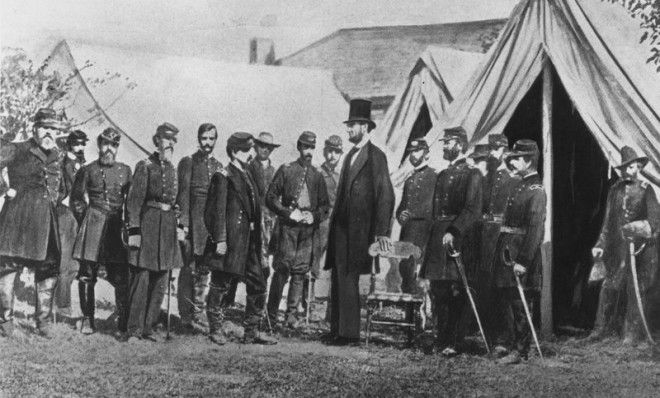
{"points": [[411, 303]]}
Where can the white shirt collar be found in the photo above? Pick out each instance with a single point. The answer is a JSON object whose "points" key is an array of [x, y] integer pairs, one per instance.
{"points": [[264, 163], [71, 155], [502, 166], [365, 139], [238, 164], [533, 173]]}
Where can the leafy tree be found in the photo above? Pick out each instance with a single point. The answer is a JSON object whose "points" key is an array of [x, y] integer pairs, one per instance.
{"points": [[648, 13]]}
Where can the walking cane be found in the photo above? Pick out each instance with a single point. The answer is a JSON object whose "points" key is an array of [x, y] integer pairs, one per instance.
{"points": [[169, 296], [309, 297], [509, 262]]}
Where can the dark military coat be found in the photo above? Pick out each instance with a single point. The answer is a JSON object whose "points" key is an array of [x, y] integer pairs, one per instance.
{"points": [[262, 176], [29, 220], [154, 185], [457, 204], [233, 215], [67, 224], [100, 236], [522, 233], [195, 173], [417, 198], [627, 201], [331, 178]]}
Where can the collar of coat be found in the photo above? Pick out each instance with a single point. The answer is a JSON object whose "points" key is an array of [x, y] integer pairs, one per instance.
{"points": [[52, 155], [155, 157], [327, 168]]}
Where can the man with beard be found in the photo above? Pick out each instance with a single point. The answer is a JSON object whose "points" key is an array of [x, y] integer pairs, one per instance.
{"points": [[332, 152], [416, 210], [73, 160], [194, 174], [632, 207], [28, 221], [153, 233], [233, 219], [456, 208], [518, 250], [498, 184], [105, 184], [362, 216], [299, 197]]}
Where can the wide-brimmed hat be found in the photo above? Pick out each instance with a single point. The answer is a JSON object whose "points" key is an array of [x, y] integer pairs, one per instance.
{"points": [[334, 143], [497, 140], [307, 138], [47, 117], [167, 130], [241, 141], [454, 133], [266, 139], [480, 152], [628, 155], [416, 145], [360, 111], [110, 134]]}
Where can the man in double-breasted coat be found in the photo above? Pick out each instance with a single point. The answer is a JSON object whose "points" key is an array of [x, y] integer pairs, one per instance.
{"points": [[233, 219], [456, 208], [99, 242], [194, 174], [153, 233], [362, 215], [299, 197], [630, 202], [28, 221]]}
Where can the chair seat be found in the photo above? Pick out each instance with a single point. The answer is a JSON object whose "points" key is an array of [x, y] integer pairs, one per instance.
{"points": [[395, 297]]}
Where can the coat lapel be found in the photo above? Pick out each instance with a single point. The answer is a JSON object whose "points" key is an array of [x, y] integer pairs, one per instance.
{"points": [[36, 151], [359, 163], [238, 179]]}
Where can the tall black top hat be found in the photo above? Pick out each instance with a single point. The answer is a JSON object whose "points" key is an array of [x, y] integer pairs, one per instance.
{"points": [[628, 155], [360, 111]]}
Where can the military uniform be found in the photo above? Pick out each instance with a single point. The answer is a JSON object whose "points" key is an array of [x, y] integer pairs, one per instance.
{"points": [[301, 186], [100, 237], [457, 204], [417, 199], [263, 176], [629, 200], [521, 234], [151, 214], [194, 175], [29, 234]]}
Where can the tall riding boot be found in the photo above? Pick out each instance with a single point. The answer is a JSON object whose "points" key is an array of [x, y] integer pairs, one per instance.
{"points": [[253, 322], [293, 299], [87, 306], [44, 305], [199, 294], [7, 304], [121, 303], [215, 313]]}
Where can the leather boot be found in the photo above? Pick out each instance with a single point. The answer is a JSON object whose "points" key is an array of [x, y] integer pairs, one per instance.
{"points": [[200, 293], [44, 305], [7, 304], [214, 309], [254, 321], [87, 306], [121, 303]]}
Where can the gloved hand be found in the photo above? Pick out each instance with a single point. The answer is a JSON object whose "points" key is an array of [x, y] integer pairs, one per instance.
{"points": [[11, 193], [221, 248], [296, 215], [134, 241], [404, 217], [519, 269]]}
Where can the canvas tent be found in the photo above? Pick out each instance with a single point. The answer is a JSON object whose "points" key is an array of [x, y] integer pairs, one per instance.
{"points": [[154, 88], [435, 80], [572, 75]]}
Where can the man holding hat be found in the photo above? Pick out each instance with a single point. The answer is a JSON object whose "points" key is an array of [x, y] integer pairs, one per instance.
{"points": [[233, 219], [105, 183], [332, 152], [194, 175], [73, 160], [415, 210], [457, 202], [362, 216], [632, 215], [518, 250], [299, 197], [153, 233], [29, 234]]}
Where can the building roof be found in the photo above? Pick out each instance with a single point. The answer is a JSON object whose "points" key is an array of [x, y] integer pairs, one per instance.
{"points": [[374, 62]]}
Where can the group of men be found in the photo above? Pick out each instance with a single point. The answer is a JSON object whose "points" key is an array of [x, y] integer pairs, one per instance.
{"points": [[64, 219]]}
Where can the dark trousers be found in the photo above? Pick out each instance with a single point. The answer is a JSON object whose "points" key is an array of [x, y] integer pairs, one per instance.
{"points": [[345, 303], [255, 286], [449, 301], [294, 297], [147, 289], [118, 276], [511, 301], [192, 289], [408, 278]]}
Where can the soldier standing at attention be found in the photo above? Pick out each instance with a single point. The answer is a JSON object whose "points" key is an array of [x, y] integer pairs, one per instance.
{"points": [[456, 208], [520, 240], [416, 210], [153, 233], [299, 197], [194, 174], [105, 182]]}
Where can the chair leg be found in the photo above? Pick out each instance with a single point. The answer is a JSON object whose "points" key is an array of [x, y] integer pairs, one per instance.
{"points": [[410, 318]]}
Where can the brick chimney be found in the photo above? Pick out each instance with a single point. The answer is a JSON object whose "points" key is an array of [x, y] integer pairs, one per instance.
{"points": [[262, 51]]}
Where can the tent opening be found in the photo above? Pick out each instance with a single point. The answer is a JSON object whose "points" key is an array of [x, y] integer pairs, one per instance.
{"points": [[422, 126], [580, 174]]}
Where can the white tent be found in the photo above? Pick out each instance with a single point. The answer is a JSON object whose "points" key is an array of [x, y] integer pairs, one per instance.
{"points": [[189, 91], [436, 78]]}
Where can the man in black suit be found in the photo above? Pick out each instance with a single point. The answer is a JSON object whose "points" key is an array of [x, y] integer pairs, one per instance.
{"points": [[362, 215]]}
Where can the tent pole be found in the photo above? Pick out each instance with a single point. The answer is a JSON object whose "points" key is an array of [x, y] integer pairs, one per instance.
{"points": [[546, 290]]}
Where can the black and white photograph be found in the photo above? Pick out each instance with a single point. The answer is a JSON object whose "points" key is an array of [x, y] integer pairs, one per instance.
{"points": [[311, 198]]}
